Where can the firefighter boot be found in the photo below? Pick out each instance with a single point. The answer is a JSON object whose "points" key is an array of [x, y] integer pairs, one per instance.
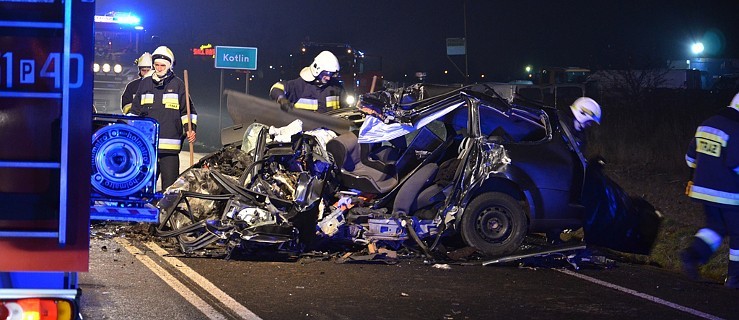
{"points": [[692, 257], [690, 264], [732, 279]]}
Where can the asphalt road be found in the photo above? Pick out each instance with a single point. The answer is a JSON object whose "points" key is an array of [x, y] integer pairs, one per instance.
{"points": [[134, 281]]}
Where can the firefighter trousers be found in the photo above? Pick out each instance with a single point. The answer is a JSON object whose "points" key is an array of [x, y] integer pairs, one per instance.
{"points": [[169, 167], [720, 222]]}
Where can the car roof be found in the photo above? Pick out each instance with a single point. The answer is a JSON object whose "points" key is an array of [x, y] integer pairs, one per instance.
{"points": [[427, 103]]}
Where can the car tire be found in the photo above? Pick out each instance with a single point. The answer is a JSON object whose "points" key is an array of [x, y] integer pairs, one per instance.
{"points": [[494, 223]]}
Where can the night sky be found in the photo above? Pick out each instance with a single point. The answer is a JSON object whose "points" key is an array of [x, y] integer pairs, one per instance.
{"points": [[503, 36]]}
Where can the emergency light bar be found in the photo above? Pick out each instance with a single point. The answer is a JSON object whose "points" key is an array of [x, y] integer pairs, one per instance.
{"points": [[119, 18]]}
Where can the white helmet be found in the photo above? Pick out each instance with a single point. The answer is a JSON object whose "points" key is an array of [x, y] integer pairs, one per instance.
{"points": [[144, 60], [735, 102], [163, 53], [585, 109], [324, 61]]}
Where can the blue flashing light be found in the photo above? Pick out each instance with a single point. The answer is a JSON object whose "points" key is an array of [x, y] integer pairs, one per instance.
{"points": [[697, 48], [128, 19], [119, 18]]}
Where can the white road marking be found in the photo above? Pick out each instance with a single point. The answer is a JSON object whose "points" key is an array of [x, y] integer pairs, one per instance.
{"points": [[204, 283], [641, 295], [186, 293]]}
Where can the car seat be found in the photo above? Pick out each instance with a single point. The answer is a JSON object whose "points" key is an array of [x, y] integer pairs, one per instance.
{"points": [[430, 185], [380, 156], [406, 200], [346, 154]]}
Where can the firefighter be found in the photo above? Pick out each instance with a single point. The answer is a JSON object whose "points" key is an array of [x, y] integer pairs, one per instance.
{"points": [[586, 112], [317, 88], [162, 97], [713, 155], [144, 64]]}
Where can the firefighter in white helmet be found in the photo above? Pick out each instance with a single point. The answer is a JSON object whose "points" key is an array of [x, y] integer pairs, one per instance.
{"points": [[162, 96], [317, 89], [713, 155], [586, 112], [144, 64]]}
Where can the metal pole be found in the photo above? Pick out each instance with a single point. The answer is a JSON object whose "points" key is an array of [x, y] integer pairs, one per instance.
{"points": [[247, 81], [466, 51], [220, 104], [189, 117]]}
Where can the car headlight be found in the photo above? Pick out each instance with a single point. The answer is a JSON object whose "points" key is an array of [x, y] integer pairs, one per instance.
{"points": [[350, 99]]}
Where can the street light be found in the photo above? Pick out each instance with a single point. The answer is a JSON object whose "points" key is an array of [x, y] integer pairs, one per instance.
{"points": [[697, 48], [529, 69]]}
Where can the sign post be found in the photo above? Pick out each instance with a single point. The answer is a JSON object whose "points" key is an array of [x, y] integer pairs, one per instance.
{"points": [[241, 58]]}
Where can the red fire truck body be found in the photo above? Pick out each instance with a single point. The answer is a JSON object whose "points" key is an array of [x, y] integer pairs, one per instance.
{"points": [[46, 51]]}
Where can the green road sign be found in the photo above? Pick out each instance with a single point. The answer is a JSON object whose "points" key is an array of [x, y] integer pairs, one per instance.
{"points": [[236, 58]]}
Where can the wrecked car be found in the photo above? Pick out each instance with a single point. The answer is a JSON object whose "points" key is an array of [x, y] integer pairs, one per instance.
{"points": [[422, 164]]}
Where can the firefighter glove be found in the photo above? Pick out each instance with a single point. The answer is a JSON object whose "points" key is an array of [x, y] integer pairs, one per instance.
{"points": [[285, 105]]}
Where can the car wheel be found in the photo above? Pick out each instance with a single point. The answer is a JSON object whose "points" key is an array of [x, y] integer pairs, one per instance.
{"points": [[494, 223]]}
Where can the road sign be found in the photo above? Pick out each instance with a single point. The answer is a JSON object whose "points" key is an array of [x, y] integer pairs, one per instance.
{"points": [[456, 46], [236, 58]]}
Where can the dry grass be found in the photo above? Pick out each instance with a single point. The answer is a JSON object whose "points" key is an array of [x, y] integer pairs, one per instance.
{"points": [[645, 148]]}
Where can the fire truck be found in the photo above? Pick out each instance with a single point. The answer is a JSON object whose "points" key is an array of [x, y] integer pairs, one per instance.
{"points": [[358, 70], [119, 40], [61, 164]]}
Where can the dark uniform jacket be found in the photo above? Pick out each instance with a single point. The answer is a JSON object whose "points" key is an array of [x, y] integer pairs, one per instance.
{"points": [[578, 134], [714, 154], [127, 97], [310, 95], [165, 102]]}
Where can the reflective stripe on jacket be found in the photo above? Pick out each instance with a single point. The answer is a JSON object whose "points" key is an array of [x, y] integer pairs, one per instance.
{"points": [[309, 95]]}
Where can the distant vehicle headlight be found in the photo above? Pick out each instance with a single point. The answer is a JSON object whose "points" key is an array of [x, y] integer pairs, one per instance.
{"points": [[106, 67], [350, 99], [96, 67], [117, 68]]}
